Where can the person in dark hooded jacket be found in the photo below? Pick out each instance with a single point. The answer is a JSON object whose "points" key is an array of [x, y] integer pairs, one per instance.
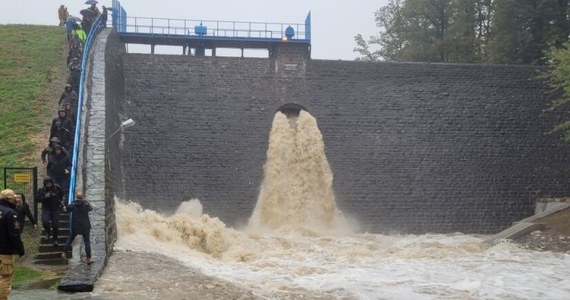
{"points": [[51, 197], [80, 225], [68, 101], [61, 122], [10, 240], [49, 149], [58, 167]]}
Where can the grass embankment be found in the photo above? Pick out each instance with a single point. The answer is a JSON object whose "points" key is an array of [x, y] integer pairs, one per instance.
{"points": [[30, 59]]}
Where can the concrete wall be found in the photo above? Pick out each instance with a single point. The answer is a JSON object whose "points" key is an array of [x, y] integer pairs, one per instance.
{"points": [[98, 165], [414, 147]]}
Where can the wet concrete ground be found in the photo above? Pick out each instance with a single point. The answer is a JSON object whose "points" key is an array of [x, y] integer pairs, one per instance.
{"points": [[135, 276]]}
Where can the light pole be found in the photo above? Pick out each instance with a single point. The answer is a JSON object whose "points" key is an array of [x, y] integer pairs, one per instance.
{"points": [[125, 124]]}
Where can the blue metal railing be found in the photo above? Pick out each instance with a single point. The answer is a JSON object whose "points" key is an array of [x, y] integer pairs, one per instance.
{"points": [[119, 16], [212, 28], [95, 29]]}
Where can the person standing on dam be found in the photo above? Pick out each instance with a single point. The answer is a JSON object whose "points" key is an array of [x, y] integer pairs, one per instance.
{"points": [[62, 14]]}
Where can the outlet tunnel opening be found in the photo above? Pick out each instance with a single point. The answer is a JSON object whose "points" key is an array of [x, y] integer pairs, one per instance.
{"points": [[291, 110]]}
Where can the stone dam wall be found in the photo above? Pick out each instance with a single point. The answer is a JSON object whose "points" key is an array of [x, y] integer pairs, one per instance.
{"points": [[414, 147]]}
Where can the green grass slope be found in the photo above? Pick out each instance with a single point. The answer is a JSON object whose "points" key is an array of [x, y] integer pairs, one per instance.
{"points": [[32, 75], [29, 56]]}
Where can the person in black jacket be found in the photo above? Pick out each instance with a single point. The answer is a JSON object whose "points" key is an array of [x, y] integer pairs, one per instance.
{"points": [[65, 123], [50, 148], [68, 101], [23, 210], [80, 225], [10, 240], [59, 167], [51, 197], [104, 16]]}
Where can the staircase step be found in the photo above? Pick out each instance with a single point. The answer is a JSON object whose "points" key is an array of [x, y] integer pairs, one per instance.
{"points": [[47, 248], [61, 223], [60, 240], [52, 262], [61, 231], [50, 255]]}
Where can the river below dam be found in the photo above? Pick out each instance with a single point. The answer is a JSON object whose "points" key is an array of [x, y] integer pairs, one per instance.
{"points": [[296, 266], [298, 245]]}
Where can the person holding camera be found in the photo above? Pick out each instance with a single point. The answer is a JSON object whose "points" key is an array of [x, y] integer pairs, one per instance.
{"points": [[51, 197]]}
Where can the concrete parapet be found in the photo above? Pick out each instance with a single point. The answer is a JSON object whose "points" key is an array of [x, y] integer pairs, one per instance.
{"points": [[548, 204], [514, 232], [81, 277]]}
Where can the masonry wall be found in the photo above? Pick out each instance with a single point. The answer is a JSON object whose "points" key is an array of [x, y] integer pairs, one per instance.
{"points": [[413, 147], [113, 116]]}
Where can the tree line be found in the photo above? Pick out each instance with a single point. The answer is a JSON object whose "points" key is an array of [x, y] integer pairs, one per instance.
{"points": [[467, 31], [532, 32]]}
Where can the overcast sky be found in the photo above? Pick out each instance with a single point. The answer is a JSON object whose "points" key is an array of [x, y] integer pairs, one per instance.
{"points": [[334, 22]]}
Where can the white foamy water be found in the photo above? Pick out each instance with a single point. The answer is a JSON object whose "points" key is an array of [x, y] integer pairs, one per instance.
{"points": [[356, 266], [297, 240]]}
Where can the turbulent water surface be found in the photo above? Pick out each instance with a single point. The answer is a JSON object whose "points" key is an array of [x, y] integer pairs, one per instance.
{"points": [[297, 245], [297, 240]]}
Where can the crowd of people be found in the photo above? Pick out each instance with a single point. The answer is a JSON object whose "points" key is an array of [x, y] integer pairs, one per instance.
{"points": [[13, 210], [56, 157]]}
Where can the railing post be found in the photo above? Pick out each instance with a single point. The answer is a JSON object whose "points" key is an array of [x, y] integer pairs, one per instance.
{"points": [[34, 190], [308, 27]]}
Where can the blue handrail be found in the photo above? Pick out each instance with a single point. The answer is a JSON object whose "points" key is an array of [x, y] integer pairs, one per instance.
{"points": [[213, 28], [209, 28], [95, 29]]}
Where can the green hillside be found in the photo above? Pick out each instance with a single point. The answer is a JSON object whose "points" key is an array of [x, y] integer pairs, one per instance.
{"points": [[29, 59], [32, 74]]}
